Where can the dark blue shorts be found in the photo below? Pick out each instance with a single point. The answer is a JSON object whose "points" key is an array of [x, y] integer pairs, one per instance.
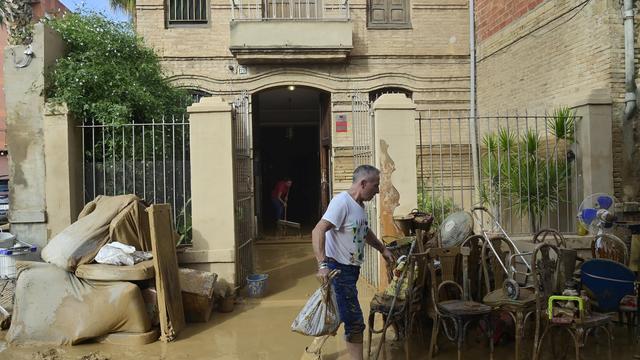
{"points": [[349, 309]]}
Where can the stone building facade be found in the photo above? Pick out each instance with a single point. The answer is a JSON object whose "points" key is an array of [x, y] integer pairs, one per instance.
{"points": [[302, 71]]}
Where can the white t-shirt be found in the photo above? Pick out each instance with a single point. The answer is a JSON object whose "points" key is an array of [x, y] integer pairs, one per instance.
{"points": [[345, 242]]}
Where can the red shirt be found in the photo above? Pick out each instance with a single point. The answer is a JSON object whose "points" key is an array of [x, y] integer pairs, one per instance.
{"points": [[280, 188]]}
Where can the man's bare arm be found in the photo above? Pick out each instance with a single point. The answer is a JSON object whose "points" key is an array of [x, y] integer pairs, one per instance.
{"points": [[373, 241], [318, 239]]}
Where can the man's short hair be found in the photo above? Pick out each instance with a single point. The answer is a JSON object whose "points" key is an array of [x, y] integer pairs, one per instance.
{"points": [[364, 171]]}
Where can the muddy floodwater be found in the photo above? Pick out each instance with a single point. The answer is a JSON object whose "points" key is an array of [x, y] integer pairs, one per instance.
{"points": [[260, 328]]}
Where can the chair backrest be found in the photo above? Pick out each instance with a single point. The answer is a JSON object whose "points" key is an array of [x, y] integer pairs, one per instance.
{"points": [[474, 243], [608, 246], [550, 236], [448, 260], [491, 268], [544, 266], [417, 278]]}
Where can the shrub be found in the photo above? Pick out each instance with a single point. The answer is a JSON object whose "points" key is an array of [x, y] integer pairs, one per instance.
{"points": [[108, 74]]}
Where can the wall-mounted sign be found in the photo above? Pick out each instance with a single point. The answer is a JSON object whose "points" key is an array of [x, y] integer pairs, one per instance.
{"points": [[341, 123]]}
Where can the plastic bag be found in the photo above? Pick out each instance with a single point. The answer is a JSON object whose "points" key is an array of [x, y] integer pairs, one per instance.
{"points": [[320, 315], [116, 253]]}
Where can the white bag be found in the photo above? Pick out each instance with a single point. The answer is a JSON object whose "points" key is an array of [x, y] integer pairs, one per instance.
{"points": [[320, 315], [117, 253]]}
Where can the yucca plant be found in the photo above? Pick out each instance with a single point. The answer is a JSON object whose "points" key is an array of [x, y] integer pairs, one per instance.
{"points": [[517, 168]]}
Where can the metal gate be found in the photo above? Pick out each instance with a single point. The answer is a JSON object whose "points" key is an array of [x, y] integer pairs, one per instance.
{"points": [[363, 154], [243, 188]]}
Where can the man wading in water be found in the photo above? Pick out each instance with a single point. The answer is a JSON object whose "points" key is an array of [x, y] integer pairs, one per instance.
{"points": [[338, 243]]}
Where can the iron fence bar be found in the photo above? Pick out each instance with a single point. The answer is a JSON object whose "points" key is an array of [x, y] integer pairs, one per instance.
{"points": [[526, 125], [546, 163], [113, 159], [441, 172], [433, 189], [164, 161], [450, 164], [535, 166], [133, 156], [144, 165], [124, 170], [473, 170], [460, 161], [184, 180], [84, 160], [519, 167], [93, 161], [509, 175], [421, 158], [173, 169], [153, 157], [499, 169], [104, 164]]}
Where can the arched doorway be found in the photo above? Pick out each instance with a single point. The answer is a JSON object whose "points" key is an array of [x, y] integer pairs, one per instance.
{"points": [[291, 132]]}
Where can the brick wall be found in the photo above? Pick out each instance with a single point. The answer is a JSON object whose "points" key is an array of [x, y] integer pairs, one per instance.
{"points": [[493, 15], [520, 68]]}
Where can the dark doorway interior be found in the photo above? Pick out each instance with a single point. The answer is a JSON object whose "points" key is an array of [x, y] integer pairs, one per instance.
{"points": [[287, 143]]}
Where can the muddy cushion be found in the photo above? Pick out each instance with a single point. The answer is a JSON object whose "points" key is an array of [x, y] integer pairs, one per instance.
{"points": [[140, 271]]}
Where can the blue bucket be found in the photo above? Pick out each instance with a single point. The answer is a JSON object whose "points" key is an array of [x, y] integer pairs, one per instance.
{"points": [[257, 285]]}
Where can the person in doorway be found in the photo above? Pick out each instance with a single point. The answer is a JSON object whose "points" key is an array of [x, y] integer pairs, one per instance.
{"points": [[338, 243], [280, 197]]}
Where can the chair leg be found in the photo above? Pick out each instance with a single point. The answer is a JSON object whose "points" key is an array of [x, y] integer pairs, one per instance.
{"points": [[519, 333], [490, 335], [460, 337], [537, 346], [372, 319], [434, 336]]}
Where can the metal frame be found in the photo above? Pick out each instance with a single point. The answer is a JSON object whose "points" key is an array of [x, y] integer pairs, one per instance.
{"points": [[364, 153], [243, 188], [151, 160]]}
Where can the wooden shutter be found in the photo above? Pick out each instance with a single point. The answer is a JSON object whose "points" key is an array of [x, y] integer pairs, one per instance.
{"points": [[391, 14]]}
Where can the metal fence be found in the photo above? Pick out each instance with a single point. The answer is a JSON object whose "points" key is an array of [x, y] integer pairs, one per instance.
{"points": [[364, 154], [243, 186], [526, 172], [290, 9], [150, 160]]}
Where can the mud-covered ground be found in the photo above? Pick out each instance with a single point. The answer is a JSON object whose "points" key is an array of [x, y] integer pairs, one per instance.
{"points": [[260, 328]]}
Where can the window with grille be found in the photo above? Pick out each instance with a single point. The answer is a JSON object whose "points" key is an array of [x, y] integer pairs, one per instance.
{"points": [[187, 12], [389, 14]]}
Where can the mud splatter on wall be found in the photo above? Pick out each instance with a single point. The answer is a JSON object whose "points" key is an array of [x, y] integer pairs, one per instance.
{"points": [[389, 195]]}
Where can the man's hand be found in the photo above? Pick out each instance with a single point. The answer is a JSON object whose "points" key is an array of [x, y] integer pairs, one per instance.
{"points": [[388, 257], [323, 275]]}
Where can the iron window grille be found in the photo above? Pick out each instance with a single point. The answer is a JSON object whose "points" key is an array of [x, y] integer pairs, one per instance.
{"points": [[187, 12]]}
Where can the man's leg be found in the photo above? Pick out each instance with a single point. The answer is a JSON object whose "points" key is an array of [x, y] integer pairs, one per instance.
{"points": [[344, 285]]}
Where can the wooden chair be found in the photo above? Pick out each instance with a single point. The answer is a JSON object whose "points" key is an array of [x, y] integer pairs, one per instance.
{"points": [[519, 309], [459, 312], [611, 247], [406, 311], [550, 236], [545, 268]]}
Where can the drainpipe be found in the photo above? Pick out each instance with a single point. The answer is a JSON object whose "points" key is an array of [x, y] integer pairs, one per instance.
{"points": [[630, 107], [472, 103]]}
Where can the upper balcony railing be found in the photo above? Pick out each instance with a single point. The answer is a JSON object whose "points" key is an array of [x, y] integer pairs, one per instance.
{"points": [[294, 10]]}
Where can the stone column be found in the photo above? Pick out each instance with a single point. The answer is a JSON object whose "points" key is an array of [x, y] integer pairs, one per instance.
{"points": [[63, 166], [594, 144], [395, 156], [24, 81], [212, 200]]}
